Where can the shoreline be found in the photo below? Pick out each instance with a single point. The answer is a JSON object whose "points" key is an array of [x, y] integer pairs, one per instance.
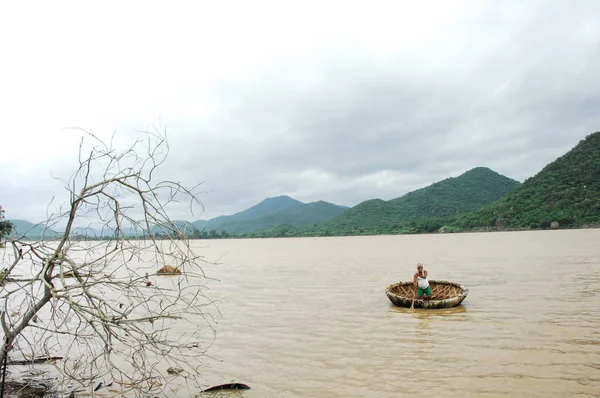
{"points": [[445, 232]]}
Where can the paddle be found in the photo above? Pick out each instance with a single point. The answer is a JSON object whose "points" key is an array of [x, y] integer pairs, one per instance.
{"points": [[412, 306]]}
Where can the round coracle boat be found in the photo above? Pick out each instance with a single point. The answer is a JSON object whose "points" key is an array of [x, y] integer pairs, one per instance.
{"points": [[444, 294]]}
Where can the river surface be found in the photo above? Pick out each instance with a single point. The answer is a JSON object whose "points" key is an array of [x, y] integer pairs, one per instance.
{"points": [[309, 317]]}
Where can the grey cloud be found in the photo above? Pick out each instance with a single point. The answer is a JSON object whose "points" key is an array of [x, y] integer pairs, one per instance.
{"points": [[512, 87], [519, 106]]}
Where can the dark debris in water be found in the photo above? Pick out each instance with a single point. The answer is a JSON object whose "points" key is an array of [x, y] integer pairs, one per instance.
{"points": [[17, 389], [228, 387]]}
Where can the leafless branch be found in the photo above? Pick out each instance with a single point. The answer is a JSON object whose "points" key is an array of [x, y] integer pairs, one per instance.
{"points": [[93, 301]]}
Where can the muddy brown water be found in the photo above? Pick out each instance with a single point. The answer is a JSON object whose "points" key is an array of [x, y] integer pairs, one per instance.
{"points": [[309, 317]]}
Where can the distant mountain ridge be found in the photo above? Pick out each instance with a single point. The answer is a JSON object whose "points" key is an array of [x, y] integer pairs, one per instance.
{"points": [[266, 214], [565, 193], [271, 212], [28, 230], [471, 190], [309, 213], [267, 207]]}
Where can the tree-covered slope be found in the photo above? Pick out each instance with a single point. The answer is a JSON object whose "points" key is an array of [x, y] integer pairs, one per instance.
{"points": [[472, 190], [566, 191]]}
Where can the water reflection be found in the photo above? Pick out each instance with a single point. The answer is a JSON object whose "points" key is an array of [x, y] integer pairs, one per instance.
{"points": [[429, 312], [423, 336]]}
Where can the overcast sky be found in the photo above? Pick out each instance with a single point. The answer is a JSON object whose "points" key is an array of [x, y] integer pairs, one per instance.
{"points": [[338, 101]]}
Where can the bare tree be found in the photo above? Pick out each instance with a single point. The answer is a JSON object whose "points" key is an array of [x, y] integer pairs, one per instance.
{"points": [[99, 303]]}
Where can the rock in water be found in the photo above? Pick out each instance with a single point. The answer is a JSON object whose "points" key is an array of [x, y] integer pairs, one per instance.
{"points": [[555, 225], [168, 270], [174, 371]]}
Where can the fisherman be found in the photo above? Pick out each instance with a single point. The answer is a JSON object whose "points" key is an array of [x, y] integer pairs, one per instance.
{"points": [[421, 282]]}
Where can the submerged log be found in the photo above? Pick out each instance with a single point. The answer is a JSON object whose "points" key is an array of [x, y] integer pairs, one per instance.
{"points": [[34, 360]]}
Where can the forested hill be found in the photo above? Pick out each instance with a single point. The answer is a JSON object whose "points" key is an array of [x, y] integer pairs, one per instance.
{"points": [[305, 214], [269, 213], [566, 191], [474, 189], [267, 207]]}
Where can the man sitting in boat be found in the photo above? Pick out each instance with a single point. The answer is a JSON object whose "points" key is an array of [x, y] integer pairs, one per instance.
{"points": [[420, 280]]}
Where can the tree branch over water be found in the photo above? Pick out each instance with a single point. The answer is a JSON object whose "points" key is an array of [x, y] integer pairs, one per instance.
{"points": [[95, 302]]}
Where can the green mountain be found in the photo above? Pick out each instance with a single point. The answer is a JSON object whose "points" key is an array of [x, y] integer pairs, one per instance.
{"points": [[265, 208], [269, 213], [305, 214], [472, 190], [566, 191]]}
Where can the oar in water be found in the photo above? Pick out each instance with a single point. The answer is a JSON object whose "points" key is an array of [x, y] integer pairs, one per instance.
{"points": [[412, 306]]}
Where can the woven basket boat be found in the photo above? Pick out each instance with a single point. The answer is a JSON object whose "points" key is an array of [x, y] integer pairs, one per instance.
{"points": [[444, 295]]}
